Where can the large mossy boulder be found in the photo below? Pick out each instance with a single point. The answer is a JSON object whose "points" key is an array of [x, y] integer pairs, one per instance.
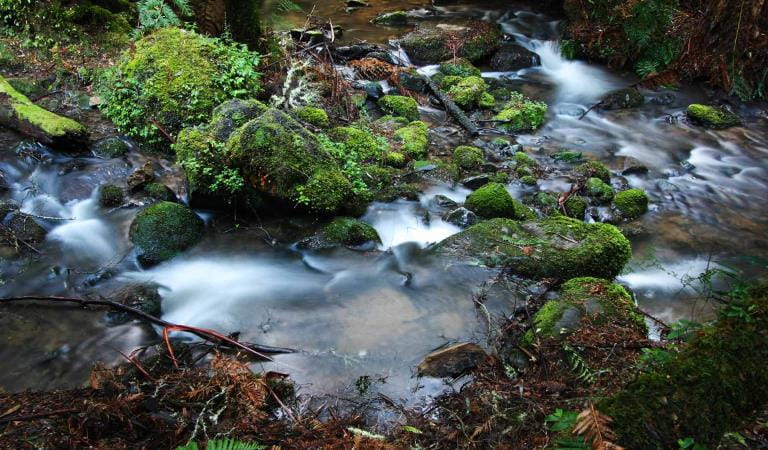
{"points": [[594, 300], [163, 230], [400, 106], [173, 79], [554, 247], [429, 43], [19, 113]]}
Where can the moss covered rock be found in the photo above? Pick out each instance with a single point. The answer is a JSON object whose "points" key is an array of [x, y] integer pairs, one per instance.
{"points": [[392, 19], [313, 116], [593, 299], [163, 230], [593, 169], [521, 114], [111, 147], [467, 157], [362, 141], [459, 67], [111, 196], [468, 92], [173, 79], [399, 105], [429, 43], [576, 207], [622, 99], [599, 191], [493, 200], [19, 113], [414, 139], [394, 159], [160, 192], [631, 203], [554, 247], [349, 231], [712, 116]]}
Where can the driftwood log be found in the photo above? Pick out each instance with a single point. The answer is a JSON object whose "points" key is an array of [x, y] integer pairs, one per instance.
{"points": [[454, 110]]}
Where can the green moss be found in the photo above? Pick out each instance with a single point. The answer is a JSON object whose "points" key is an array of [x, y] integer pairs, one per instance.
{"points": [[233, 114], [394, 18], [521, 114], [467, 92], [394, 159], [598, 190], [313, 116], [499, 177], [349, 231], [467, 157], [523, 171], [398, 105], [486, 101], [414, 139], [576, 207], [493, 200], [175, 78], [529, 180], [523, 160], [567, 156], [632, 203], [429, 44], [459, 67], [712, 117], [163, 230], [326, 191], [447, 82], [557, 247], [112, 147], [160, 192], [111, 196], [716, 384], [593, 169], [361, 141], [53, 126]]}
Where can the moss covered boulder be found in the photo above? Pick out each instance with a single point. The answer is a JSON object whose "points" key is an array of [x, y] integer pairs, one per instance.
{"points": [[413, 139], [400, 106], [342, 231], [459, 67], [361, 141], [467, 157], [111, 196], [493, 200], [622, 99], [712, 116], [429, 43], [313, 116], [599, 191], [468, 92], [631, 203], [163, 230], [593, 169], [555, 247], [521, 114], [19, 113], [595, 300], [173, 79]]}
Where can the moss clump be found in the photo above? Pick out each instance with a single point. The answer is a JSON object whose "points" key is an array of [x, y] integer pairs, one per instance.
{"points": [[555, 247], [576, 207], [349, 231], [712, 117], [173, 79], [593, 169], [486, 101], [459, 67], [313, 116], [499, 177], [394, 159], [632, 203], [529, 180], [361, 141], [467, 92], [493, 200], [429, 44], [447, 82], [716, 384], [232, 114], [523, 160], [160, 192], [163, 230], [598, 300], [394, 18], [521, 114], [111, 147], [326, 191], [111, 196], [598, 190], [399, 105], [467, 157], [414, 139], [44, 125]]}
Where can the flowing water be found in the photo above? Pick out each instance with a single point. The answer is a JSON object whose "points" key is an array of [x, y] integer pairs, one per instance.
{"points": [[376, 313]]}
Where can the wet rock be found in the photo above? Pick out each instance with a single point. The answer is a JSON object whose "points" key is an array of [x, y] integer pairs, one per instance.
{"points": [[476, 182], [429, 43], [394, 18], [382, 56], [163, 230], [342, 231], [461, 217], [687, 166], [444, 202], [20, 233], [356, 4], [160, 192], [372, 89], [631, 166], [359, 51], [452, 361], [712, 116], [111, 196], [424, 166], [511, 57], [412, 80], [666, 99], [622, 99], [111, 147], [141, 176], [142, 296]]}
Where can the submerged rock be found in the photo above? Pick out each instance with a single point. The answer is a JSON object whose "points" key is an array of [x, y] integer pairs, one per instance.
{"points": [[111, 147], [111, 196], [429, 43], [394, 18], [461, 217], [451, 361], [622, 99], [712, 116], [554, 247], [512, 57], [163, 230]]}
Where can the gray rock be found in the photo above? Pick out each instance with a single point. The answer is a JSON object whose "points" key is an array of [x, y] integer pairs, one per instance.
{"points": [[511, 57], [451, 361], [141, 176], [412, 81], [444, 202], [622, 99], [461, 217], [476, 182]]}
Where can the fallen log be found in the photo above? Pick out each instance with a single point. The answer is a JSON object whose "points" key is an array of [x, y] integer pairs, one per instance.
{"points": [[18, 113], [209, 335], [454, 110]]}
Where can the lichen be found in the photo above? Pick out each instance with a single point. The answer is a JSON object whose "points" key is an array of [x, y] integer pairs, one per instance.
{"points": [[467, 157], [632, 203], [163, 230], [399, 105], [521, 114], [414, 139], [711, 116]]}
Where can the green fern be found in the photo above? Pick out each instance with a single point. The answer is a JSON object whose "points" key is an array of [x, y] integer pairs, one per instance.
{"points": [[576, 443], [223, 444], [579, 367], [154, 14]]}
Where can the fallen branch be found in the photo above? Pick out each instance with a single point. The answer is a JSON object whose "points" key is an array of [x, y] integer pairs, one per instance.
{"points": [[454, 110], [162, 131], [209, 335], [37, 416], [584, 114]]}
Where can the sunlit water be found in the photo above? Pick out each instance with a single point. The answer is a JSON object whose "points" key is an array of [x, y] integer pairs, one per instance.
{"points": [[351, 313]]}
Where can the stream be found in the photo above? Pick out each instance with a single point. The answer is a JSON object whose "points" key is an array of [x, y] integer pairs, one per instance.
{"points": [[376, 313]]}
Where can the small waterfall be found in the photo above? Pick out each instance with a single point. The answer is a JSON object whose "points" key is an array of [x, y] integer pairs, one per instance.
{"points": [[86, 236]]}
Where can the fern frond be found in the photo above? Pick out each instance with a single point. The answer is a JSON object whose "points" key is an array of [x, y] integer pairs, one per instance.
{"points": [[183, 6], [595, 427], [579, 367]]}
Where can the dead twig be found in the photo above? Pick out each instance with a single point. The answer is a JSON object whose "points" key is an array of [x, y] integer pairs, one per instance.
{"points": [[584, 114], [37, 416]]}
